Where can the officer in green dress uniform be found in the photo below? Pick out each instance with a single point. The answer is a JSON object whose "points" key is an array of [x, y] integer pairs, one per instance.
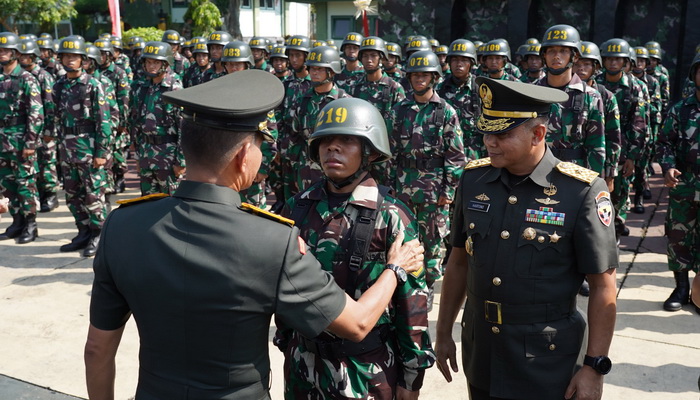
{"points": [[204, 273], [527, 228]]}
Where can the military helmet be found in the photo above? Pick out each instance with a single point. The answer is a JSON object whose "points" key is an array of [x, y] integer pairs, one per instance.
{"points": [[352, 117], [633, 56], [615, 48], [93, 52], [104, 45], [374, 43], [76, 37], [9, 40], [116, 43], [45, 43], [423, 61], [641, 52], [652, 45], [219, 37], [521, 50], [531, 50], [158, 51], [45, 35], [434, 43], [28, 46], [237, 51], [299, 42], [441, 50], [693, 67], [532, 40], [187, 45], [497, 47], [28, 36], [319, 43], [72, 45], [561, 35], [171, 37], [200, 47], [464, 48], [654, 53], [417, 43], [394, 49], [325, 56], [351, 38], [258, 42], [105, 35], [590, 50], [477, 43], [279, 51], [136, 43]]}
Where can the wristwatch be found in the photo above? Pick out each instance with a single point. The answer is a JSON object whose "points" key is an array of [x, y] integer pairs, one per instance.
{"points": [[400, 273], [600, 364]]}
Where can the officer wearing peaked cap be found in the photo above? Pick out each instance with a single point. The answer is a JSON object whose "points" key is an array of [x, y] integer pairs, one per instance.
{"points": [[204, 272], [527, 229]]}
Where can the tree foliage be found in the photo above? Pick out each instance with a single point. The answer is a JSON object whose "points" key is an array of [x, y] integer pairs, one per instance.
{"points": [[43, 12], [148, 34], [206, 17]]}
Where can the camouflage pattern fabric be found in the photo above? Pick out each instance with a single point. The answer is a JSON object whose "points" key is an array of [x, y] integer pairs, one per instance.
{"points": [[47, 173], [397, 74], [641, 172], [22, 116], [156, 131], [428, 160], [401, 18], [486, 19], [407, 351], [464, 98], [678, 147], [211, 74], [526, 78], [54, 68], [120, 93], [383, 94], [613, 139], [664, 89], [85, 192], [346, 79], [688, 89], [265, 66], [255, 194], [569, 132], [180, 65], [193, 76], [111, 100], [124, 63]]}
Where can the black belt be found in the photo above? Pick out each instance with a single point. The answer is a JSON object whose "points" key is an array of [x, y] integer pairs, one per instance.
{"points": [[78, 130], [160, 139], [499, 313], [13, 121], [569, 154], [422, 163], [376, 338]]}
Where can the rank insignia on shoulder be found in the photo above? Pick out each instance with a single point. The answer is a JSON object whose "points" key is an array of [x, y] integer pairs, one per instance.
{"points": [[482, 162], [266, 214], [417, 273], [142, 199], [577, 171]]}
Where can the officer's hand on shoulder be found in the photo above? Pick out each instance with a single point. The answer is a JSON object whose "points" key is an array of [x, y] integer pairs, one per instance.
{"points": [[408, 256]]}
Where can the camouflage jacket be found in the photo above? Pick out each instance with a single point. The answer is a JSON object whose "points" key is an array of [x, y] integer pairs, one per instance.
{"points": [[180, 65], [464, 97], [664, 88], [396, 74], [688, 89], [46, 82], [513, 70], [581, 134], [383, 94], [655, 102], [613, 139], [346, 79], [123, 62], [120, 83], [678, 145], [21, 110], [633, 115], [327, 232], [110, 98], [526, 78], [54, 68], [427, 149], [265, 66], [294, 88], [211, 74], [82, 118], [194, 76]]}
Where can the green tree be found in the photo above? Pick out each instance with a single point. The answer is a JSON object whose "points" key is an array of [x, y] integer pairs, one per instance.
{"points": [[43, 12], [149, 34], [205, 17]]}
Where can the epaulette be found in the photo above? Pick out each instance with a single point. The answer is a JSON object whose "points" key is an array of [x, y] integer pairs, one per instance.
{"points": [[266, 214], [150, 197], [577, 171], [482, 162]]}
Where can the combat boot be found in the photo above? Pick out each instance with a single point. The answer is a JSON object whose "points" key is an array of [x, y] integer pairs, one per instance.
{"points": [[15, 229], [119, 184], [91, 247], [638, 203], [80, 241], [681, 294], [51, 202], [30, 231]]}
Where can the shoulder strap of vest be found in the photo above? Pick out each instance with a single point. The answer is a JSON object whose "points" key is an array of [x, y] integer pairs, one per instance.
{"points": [[577, 105], [303, 206], [440, 114]]}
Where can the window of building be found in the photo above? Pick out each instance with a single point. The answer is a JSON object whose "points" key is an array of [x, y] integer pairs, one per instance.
{"points": [[342, 24], [267, 4], [245, 3]]}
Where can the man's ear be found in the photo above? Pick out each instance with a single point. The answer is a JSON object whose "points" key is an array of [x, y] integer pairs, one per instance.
{"points": [[240, 159], [539, 132]]}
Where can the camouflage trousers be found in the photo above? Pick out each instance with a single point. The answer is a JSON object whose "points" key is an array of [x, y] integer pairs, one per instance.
{"points": [[683, 226], [47, 172], [372, 375], [17, 182], [620, 196], [255, 195], [641, 171], [433, 228], [85, 193]]}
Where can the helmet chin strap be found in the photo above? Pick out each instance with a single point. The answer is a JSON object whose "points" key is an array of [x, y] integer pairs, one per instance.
{"points": [[424, 91], [638, 70], [12, 58], [328, 79], [364, 167]]}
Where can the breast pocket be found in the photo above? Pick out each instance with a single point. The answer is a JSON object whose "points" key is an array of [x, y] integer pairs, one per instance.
{"points": [[543, 251], [477, 228]]}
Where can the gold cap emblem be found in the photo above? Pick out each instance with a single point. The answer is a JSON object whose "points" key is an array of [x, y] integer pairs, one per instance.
{"points": [[486, 95]]}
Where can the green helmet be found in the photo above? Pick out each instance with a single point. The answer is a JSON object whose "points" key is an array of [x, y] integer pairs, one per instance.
{"points": [[318, 43], [641, 52], [72, 45], [394, 49], [374, 43], [28, 46], [45, 43], [94, 53], [590, 50], [351, 38], [171, 37], [463, 48], [423, 61], [258, 42], [104, 45], [116, 43], [615, 48], [562, 35], [532, 40], [477, 43], [693, 67], [300, 43], [531, 50], [441, 50], [434, 43], [9, 40], [187, 45], [136, 43], [200, 47], [652, 45], [325, 56], [77, 37], [237, 51], [105, 35], [352, 117], [45, 35], [655, 52], [279, 51], [158, 51], [417, 43], [521, 50], [219, 37], [28, 36], [497, 47], [633, 56]]}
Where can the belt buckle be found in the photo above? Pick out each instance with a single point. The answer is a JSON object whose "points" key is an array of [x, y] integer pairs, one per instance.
{"points": [[491, 308]]}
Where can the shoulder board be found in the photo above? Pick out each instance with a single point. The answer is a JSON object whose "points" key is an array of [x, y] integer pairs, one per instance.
{"points": [[577, 171], [266, 214], [150, 197], [482, 162]]}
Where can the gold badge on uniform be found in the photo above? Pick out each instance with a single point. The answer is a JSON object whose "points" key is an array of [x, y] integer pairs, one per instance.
{"points": [[529, 233], [483, 197], [469, 246], [554, 237], [549, 191]]}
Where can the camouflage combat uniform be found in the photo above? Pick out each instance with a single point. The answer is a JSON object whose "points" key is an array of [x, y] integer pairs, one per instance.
{"points": [[255, 194], [405, 350], [22, 124], [428, 158], [119, 80], [688, 89], [346, 79], [155, 131], [613, 138], [123, 62], [397, 74], [181, 64], [464, 97], [47, 173], [641, 174], [265, 66], [54, 68], [84, 129], [664, 88], [678, 147], [211, 74], [193, 76]]}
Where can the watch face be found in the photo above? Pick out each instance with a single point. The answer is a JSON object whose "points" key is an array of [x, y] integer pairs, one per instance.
{"points": [[603, 365]]}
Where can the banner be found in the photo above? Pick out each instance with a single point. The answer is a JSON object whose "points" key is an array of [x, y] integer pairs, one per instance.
{"points": [[114, 13]]}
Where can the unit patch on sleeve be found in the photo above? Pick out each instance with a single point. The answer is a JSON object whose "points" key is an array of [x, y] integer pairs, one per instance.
{"points": [[604, 208]]}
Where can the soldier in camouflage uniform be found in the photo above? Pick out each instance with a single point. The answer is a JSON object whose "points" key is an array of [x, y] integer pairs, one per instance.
{"points": [[349, 221], [496, 57], [323, 64], [441, 52], [83, 125], [258, 45], [121, 59], [414, 44], [47, 174], [48, 61], [392, 64], [195, 73], [352, 70], [280, 62], [428, 156], [633, 122], [660, 73], [534, 62], [136, 44], [459, 90], [678, 152], [215, 43], [21, 125], [155, 125], [180, 63]]}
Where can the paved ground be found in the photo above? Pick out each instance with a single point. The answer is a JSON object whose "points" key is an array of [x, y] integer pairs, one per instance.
{"points": [[44, 296]]}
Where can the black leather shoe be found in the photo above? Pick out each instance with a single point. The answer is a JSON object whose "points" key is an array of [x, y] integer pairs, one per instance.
{"points": [[681, 294], [638, 204], [646, 194], [49, 203], [585, 289], [30, 231], [94, 241], [15, 229], [79, 242]]}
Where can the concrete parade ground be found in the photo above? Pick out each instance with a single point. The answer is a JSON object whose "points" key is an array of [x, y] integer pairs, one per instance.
{"points": [[44, 298]]}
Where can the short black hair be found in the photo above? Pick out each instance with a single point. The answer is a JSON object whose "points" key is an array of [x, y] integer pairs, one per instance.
{"points": [[207, 146]]}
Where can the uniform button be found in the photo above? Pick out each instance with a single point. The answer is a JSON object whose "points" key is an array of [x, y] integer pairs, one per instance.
{"points": [[472, 225], [552, 347], [497, 281], [540, 239], [495, 330], [505, 235], [512, 199]]}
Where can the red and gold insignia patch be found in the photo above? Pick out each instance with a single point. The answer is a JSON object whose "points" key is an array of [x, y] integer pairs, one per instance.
{"points": [[604, 208]]}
